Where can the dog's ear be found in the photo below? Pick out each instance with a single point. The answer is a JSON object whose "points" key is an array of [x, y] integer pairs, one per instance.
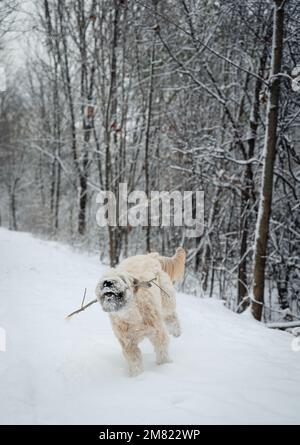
{"points": [[135, 284], [140, 284]]}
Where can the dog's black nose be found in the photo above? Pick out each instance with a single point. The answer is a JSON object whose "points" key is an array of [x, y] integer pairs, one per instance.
{"points": [[107, 283]]}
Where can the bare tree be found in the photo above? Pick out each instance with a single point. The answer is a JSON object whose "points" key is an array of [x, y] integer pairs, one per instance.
{"points": [[269, 154]]}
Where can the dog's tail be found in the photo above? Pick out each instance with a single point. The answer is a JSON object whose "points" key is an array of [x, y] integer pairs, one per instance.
{"points": [[175, 265]]}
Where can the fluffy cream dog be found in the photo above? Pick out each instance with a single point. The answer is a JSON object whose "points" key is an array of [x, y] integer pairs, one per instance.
{"points": [[139, 296]]}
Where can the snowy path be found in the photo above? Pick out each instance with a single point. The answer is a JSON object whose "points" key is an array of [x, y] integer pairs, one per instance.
{"points": [[226, 368]]}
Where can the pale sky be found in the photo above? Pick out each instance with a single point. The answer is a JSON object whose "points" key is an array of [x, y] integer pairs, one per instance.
{"points": [[21, 37]]}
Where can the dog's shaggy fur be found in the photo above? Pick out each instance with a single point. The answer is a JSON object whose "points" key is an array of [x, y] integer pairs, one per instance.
{"points": [[138, 308]]}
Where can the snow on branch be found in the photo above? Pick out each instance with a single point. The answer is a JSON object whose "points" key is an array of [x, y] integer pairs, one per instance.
{"points": [[283, 325]]}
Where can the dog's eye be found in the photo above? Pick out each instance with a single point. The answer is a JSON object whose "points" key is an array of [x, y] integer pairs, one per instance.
{"points": [[107, 283]]}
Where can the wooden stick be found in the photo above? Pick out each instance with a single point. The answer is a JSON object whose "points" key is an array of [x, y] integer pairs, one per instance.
{"points": [[83, 300], [81, 309]]}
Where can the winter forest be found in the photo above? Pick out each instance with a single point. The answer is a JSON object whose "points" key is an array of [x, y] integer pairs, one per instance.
{"points": [[161, 95]]}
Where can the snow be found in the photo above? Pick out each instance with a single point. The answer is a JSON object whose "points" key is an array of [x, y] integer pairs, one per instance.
{"points": [[227, 368]]}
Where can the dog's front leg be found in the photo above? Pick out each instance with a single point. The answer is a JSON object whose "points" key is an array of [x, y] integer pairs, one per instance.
{"points": [[133, 356], [160, 341]]}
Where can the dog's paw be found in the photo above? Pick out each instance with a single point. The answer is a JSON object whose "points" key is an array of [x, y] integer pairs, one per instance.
{"points": [[174, 329], [134, 371], [163, 359]]}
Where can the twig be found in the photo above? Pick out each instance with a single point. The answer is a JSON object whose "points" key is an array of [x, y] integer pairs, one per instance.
{"points": [[81, 309], [161, 289], [83, 298]]}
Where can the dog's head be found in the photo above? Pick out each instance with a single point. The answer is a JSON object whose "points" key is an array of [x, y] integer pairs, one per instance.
{"points": [[115, 290]]}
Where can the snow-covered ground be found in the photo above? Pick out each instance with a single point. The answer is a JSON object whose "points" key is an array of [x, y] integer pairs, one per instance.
{"points": [[226, 368]]}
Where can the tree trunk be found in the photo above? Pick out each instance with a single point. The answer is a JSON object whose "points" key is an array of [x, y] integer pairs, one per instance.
{"points": [[265, 202], [147, 141], [248, 194], [13, 221], [111, 140]]}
